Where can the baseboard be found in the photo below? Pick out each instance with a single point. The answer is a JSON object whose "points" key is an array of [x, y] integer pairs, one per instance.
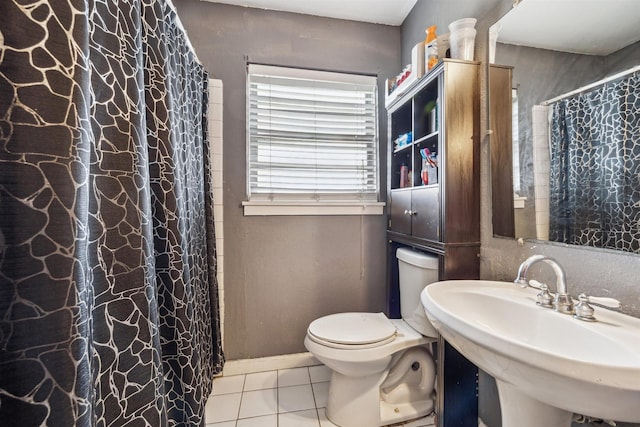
{"points": [[262, 364]]}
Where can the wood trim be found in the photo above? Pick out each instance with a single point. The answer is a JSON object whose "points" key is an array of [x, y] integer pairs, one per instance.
{"points": [[501, 140], [461, 200]]}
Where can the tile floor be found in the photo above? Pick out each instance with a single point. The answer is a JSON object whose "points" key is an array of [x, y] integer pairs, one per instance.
{"points": [[284, 398]]}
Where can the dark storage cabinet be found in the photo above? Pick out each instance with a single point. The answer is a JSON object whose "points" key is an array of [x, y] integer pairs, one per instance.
{"points": [[439, 213], [438, 118], [416, 212]]}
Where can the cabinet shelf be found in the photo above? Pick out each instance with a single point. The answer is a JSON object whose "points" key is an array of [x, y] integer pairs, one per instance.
{"points": [[426, 138], [417, 142], [415, 187], [403, 148]]}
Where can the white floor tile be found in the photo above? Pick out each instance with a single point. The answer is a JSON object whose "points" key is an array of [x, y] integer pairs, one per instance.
{"points": [[295, 398], [319, 373], [321, 394], [259, 402], [286, 398], [223, 424], [299, 419], [222, 408], [264, 421], [226, 385], [324, 421], [261, 380], [295, 376]]}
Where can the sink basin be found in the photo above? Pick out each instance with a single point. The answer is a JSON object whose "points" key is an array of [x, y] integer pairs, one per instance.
{"points": [[547, 365]]}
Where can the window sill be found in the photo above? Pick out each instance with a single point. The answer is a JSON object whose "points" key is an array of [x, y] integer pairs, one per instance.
{"points": [[268, 208]]}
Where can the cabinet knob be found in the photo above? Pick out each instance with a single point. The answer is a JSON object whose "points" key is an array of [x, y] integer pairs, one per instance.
{"points": [[410, 212]]}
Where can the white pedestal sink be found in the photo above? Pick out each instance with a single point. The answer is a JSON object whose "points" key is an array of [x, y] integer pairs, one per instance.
{"points": [[547, 365]]}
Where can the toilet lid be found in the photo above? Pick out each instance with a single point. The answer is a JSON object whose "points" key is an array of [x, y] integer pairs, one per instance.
{"points": [[353, 328]]}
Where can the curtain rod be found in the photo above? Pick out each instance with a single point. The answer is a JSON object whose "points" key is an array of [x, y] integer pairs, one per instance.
{"points": [[592, 85], [181, 27]]}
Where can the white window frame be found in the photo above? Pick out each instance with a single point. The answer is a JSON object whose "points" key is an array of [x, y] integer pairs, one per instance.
{"points": [[310, 203]]}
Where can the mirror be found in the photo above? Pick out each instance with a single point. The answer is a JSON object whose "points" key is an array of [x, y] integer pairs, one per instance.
{"points": [[553, 48]]}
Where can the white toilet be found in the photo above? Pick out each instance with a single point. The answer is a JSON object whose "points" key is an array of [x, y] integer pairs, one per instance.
{"points": [[383, 369]]}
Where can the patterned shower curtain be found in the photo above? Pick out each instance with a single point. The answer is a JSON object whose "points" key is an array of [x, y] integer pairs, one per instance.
{"points": [[108, 296], [595, 167]]}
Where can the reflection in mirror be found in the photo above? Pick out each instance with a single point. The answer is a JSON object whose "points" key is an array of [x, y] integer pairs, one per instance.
{"points": [[573, 66]]}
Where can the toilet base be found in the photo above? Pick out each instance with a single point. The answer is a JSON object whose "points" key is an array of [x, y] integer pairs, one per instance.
{"points": [[366, 409], [391, 414], [357, 401]]}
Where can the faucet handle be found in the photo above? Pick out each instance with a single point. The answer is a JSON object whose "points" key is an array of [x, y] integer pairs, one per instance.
{"points": [[584, 311], [562, 303], [537, 285], [604, 301], [545, 299]]}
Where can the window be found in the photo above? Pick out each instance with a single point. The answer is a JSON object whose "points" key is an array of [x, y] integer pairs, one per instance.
{"points": [[312, 142]]}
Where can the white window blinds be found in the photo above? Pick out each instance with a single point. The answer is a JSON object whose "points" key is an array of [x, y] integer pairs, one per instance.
{"points": [[311, 135]]}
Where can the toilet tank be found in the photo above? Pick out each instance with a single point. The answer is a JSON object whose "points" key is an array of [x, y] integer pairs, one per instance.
{"points": [[416, 271]]}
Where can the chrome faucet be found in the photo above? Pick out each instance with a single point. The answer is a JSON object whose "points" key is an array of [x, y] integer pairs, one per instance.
{"points": [[562, 302]]}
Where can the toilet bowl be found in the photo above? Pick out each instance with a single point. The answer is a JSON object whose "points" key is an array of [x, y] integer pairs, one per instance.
{"points": [[383, 370], [376, 384]]}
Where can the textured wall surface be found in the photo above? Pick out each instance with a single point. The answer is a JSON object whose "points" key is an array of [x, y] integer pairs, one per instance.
{"points": [[283, 272]]}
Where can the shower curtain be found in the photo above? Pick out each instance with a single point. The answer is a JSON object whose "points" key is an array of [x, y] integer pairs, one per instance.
{"points": [[595, 167], [108, 296]]}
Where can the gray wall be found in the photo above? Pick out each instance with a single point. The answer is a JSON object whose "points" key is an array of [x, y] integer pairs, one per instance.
{"points": [[440, 13], [283, 272]]}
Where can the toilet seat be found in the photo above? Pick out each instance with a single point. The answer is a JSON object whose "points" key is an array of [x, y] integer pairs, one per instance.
{"points": [[352, 330]]}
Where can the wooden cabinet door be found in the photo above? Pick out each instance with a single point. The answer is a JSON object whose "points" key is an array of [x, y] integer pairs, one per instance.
{"points": [[400, 207], [425, 205]]}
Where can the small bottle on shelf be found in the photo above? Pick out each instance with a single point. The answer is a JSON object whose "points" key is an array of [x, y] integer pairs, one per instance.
{"points": [[404, 176], [424, 173], [431, 48]]}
